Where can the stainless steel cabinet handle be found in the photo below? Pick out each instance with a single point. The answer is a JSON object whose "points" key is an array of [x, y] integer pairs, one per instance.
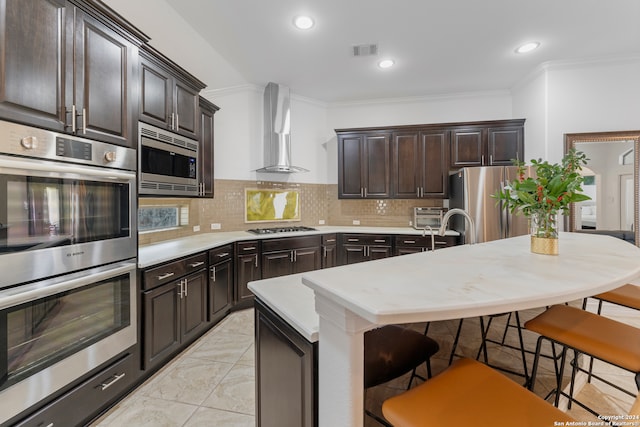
{"points": [[165, 276], [490, 159], [256, 260], [186, 288], [361, 192], [108, 384], [249, 248], [417, 191], [196, 264], [177, 122], [180, 292], [353, 240], [324, 249], [330, 240], [365, 191], [84, 120], [73, 118], [482, 159], [291, 255], [213, 273], [223, 254], [173, 120], [380, 241], [408, 241]]}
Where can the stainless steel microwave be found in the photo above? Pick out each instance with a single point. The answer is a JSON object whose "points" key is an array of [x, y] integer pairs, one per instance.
{"points": [[428, 217], [168, 163]]}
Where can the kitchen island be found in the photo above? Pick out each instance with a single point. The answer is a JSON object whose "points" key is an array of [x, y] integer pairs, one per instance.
{"points": [[459, 282]]}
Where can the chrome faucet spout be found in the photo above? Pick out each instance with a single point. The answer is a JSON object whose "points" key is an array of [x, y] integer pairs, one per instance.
{"points": [[433, 237], [457, 211]]}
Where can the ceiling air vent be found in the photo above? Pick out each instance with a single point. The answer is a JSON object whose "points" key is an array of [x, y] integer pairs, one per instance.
{"points": [[364, 50]]}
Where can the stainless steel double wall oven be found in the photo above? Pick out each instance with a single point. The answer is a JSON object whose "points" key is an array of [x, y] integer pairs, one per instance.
{"points": [[68, 249]]}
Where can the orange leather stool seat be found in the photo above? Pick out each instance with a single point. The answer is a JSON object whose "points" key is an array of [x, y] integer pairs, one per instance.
{"points": [[626, 295], [469, 393], [603, 338]]}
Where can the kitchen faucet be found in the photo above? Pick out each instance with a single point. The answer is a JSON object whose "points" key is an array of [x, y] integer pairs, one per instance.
{"points": [[433, 237], [452, 212]]}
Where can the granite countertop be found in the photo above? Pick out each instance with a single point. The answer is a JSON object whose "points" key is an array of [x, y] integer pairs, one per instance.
{"points": [[168, 250]]}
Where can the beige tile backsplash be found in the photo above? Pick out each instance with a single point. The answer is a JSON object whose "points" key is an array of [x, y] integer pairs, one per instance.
{"points": [[318, 202]]}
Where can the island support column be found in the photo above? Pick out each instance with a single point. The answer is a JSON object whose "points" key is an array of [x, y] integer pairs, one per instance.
{"points": [[340, 365]]}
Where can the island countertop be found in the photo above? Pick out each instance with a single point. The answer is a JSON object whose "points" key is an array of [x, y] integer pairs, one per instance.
{"points": [[457, 282]]}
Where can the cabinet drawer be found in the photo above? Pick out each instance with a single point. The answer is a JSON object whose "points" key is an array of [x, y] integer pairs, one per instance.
{"points": [[220, 254], [249, 247], [84, 401], [288, 243], [163, 274], [195, 263], [366, 239], [413, 241], [329, 239]]}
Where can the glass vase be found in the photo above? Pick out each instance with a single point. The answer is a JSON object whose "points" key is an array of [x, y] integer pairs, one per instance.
{"points": [[544, 232]]}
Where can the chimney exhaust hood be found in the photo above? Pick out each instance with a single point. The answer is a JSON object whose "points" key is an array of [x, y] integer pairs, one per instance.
{"points": [[277, 130]]}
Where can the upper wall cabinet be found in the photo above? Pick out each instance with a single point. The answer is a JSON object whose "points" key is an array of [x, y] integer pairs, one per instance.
{"points": [[69, 68], [168, 94], [420, 164], [364, 166], [205, 138], [413, 162], [487, 144]]}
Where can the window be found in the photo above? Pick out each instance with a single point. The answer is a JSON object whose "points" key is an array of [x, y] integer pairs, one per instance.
{"points": [[155, 218]]}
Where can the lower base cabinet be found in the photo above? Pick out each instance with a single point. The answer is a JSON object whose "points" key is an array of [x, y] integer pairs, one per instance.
{"points": [[286, 373]]}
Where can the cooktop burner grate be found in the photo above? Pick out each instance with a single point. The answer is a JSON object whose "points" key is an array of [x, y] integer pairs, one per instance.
{"points": [[275, 230]]}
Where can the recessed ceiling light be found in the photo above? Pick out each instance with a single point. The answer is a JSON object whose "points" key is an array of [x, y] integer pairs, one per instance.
{"points": [[527, 47], [303, 22], [386, 63]]}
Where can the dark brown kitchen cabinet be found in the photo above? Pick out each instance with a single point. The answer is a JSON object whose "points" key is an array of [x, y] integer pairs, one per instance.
{"points": [[174, 307], [286, 373], [220, 282], [409, 244], [487, 143], [69, 69], [291, 255], [420, 164], [329, 250], [168, 94], [364, 166], [356, 248], [247, 268], [205, 140]]}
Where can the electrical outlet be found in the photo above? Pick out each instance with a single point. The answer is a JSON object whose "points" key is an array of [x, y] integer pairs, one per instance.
{"points": [[356, 222], [216, 226], [196, 228], [321, 222]]}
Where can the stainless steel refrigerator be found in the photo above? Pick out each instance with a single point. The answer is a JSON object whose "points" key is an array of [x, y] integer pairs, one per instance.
{"points": [[471, 189]]}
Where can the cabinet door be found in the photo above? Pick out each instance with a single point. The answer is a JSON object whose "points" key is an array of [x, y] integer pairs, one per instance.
{"points": [[205, 139], [467, 148], [307, 259], [377, 167], [247, 270], [329, 256], [378, 252], [275, 264], [220, 288], [408, 165], [156, 98], [186, 110], [286, 373], [505, 145], [353, 254], [434, 155], [350, 165], [193, 302], [32, 57], [102, 80], [161, 321]]}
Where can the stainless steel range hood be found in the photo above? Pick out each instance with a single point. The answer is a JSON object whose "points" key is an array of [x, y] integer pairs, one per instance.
{"points": [[277, 130]]}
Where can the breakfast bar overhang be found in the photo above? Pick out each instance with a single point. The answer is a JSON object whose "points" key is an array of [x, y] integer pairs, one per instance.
{"points": [[459, 282]]}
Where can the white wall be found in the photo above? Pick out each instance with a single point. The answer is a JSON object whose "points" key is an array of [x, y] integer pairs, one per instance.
{"points": [[589, 96]]}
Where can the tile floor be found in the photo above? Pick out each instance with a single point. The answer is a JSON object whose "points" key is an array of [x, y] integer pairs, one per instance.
{"points": [[213, 382]]}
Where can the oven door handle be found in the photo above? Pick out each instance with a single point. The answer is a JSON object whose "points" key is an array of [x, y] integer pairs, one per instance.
{"points": [[66, 168], [27, 293]]}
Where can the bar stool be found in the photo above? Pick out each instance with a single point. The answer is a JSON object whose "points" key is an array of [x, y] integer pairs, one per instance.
{"points": [[392, 351], [484, 330], [586, 333], [626, 295], [469, 393]]}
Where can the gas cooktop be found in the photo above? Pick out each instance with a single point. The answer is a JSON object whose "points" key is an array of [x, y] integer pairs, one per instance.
{"points": [[275, 230]]}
